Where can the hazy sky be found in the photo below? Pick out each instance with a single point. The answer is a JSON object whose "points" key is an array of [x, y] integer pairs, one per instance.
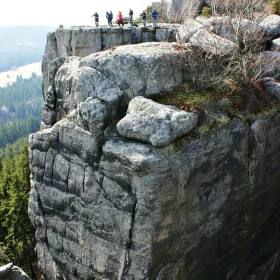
{"points": [[66, 12]]}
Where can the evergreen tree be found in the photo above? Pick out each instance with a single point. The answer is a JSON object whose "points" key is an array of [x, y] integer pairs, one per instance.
{"points": [[17, 239]]}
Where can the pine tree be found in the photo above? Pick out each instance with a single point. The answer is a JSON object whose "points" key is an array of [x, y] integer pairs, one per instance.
{"points": [[16, 231]]}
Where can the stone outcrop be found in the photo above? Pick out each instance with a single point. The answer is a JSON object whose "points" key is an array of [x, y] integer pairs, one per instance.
{"points": [[12, 272], [179, 10], [271, 87], [84, 40], [114, 76], [224, 35], [271, 25], [157, 124], [109, 202]]}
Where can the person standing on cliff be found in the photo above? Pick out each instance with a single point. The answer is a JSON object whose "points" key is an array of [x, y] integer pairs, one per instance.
{"points": [[144, 18], [120, 19], [109, 18], [130, 16], [154, 17], [96, 18]]}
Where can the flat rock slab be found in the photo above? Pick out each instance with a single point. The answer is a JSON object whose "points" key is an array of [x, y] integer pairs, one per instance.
{"points": [[155, 123]]}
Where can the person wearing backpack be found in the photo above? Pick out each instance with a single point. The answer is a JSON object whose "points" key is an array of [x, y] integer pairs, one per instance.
{"points": [[144, 18], [96, 18], [130, 16]]}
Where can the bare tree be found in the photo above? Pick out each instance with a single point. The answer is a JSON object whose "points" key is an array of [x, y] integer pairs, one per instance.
{"points": [[236, 63]]}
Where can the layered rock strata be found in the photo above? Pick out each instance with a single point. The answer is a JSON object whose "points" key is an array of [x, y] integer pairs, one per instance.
{"points": [[110, 204], [84, 40]]}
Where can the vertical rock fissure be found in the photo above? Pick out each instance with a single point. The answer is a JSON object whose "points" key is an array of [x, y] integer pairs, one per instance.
{"points": [[129, 245], [251, 157]]}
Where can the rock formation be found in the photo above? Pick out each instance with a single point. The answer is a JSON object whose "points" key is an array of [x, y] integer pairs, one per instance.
{"points": [[12, 272], [179, 10], [130, 194], [84, 40]]}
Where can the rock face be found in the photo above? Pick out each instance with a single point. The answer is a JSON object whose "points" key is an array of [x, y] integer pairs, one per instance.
{"points": [[123, 198], [84, 40], [114, 76], [179, 10], [271, 25], [12, 272]]}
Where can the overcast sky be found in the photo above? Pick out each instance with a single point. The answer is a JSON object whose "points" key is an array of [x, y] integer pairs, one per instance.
{"points": [[66, 12]]}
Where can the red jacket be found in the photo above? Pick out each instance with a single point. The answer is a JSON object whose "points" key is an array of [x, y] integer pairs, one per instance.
{"points": [[120, 17]]}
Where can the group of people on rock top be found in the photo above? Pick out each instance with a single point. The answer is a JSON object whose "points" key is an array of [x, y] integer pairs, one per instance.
{"points": [[120, 20]]}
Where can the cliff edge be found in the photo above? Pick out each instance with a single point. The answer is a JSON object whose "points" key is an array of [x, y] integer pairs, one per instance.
{"points": [[120, 190]]}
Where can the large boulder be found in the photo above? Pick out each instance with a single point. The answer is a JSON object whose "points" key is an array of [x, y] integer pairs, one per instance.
{"points": [[223, 27], [114, 76], [155, 123], [188, 29], [242, 31], [269, 64], [271, 87], [166, 34], [213, 44], [271, 25], [139, 70]]}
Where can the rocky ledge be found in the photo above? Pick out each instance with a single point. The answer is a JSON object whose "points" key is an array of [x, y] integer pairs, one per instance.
{"points": [[127, 194]]}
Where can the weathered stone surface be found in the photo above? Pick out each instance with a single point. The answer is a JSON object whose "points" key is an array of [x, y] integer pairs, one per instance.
{"points": [[272, 87], [157, 124], [106, 207], [188, 29], [59, 71], [93, 115], [276, 45], [113, 76], [204, 21], [148, 36], [213, 44], [139, 70], [168, 35], [142, 202], [88, 82], [112, 37], [78, 41], [84, 40], [179, 10], [11, 272], [271, 25], [223, 27]]}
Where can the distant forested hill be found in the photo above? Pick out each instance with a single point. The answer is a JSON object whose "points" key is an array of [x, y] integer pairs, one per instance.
{"points": [[21, 45], [20, 112]]}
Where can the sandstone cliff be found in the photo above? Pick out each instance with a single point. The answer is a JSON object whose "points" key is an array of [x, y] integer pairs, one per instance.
{"points": [[111, 200]]}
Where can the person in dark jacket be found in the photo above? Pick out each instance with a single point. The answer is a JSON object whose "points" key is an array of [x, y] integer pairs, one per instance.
{"points": [[154, 17], [144, 18], [109, 16], [130, 16], [96, 18]]}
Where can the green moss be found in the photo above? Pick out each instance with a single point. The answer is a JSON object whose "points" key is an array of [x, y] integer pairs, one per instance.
{"points": [[274, 6], [206, 12]]}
